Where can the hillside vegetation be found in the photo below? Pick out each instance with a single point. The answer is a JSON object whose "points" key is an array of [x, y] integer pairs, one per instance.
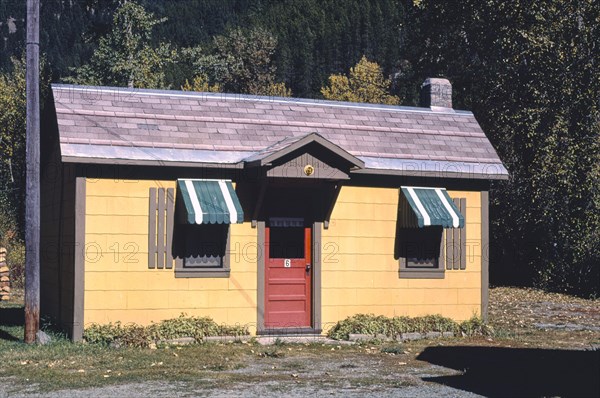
{"points": [[528, 70]]}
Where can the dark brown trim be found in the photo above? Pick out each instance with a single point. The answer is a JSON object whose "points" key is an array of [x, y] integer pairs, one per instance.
{"points": [[240, 165], [141, 162], [408, 273], [160, 243], [316, 283], [485, 261], [449, 235], [259, 202], [395, 181], [170, 222], [436, 174], [202, 273], [334, 198], [152, 229], [316, 277], [164, 170], [463, 234], [79, 260], [260, 287], [442, 258], [224, 272]]}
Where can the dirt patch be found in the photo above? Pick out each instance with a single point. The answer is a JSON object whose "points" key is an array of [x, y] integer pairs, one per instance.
{"points": [[514, 308]]}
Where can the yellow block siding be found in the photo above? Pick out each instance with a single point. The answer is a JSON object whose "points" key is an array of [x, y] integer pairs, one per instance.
{"points": [[360, 274], [120, 287]]}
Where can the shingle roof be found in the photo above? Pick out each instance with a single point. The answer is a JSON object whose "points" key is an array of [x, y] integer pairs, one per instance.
{"points": [[238, 127]]}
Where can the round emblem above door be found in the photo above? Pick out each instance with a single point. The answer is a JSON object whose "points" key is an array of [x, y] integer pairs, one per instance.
{"points": [[309, 170]]}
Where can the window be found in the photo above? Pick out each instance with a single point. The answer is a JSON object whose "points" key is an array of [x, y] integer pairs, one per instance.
{"points": [[430, 232], [197, 250], [204, 209], [420, 252], [286, 242], [203, 250]]}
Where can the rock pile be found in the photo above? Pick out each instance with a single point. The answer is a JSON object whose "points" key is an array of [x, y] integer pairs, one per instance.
{"points": [[4, 277]]}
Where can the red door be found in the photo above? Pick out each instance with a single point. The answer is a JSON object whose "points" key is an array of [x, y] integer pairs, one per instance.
{"points": [[288, 271]]}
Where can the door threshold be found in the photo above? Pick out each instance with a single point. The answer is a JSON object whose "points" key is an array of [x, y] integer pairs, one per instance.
{"points": [[289, 332]]}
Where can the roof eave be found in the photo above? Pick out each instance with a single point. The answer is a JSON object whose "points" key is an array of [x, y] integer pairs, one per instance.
{"points": [[431, 174], [143, 162]]}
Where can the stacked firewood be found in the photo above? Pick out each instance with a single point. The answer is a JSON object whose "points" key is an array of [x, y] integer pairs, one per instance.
{"points": [[4, 277]]}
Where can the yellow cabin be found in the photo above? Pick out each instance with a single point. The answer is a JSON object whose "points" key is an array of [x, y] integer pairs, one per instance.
{"points": [[284, 215]]}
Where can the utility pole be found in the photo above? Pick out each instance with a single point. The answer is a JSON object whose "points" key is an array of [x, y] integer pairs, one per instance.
{"points": [[32, 193]]}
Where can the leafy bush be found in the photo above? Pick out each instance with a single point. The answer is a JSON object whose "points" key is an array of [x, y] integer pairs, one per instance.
{"points": [[475, 327], [141, 336], [391, 327]]}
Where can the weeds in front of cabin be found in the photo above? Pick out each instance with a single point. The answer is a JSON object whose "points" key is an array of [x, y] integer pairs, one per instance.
{"points": [[475, 327], [133, 335], [392, 328]]}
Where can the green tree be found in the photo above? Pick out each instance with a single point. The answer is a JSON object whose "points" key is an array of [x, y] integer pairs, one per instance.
{"points": [[125, 56], [529, 72], [365, 83], [241, 62], [12, 145]]}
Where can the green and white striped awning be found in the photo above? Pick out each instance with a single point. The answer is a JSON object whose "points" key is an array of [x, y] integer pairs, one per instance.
{"points": [[210, 202], [432, 206]]}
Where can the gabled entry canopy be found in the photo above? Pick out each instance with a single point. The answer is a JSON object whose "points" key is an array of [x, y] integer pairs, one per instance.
{"points": [[305, 156], [431, 206], [291, 144], [210, 202]]}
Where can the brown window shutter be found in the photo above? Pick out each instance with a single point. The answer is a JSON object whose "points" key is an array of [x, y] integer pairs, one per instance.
{"points": [[170, 216], [442, 258], [152, 229], [161, 215], [456, 240], [161, 229], [463, 235]]}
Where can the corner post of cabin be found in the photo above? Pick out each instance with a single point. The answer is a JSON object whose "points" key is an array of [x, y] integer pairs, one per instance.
{"points": [[260, 288], [79, 260], [485, 254], [317, 244]]}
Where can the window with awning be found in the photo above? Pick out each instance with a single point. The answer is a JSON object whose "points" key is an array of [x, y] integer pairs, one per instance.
{"points": [[426, 207], [430, 235], [206, 208], [210, 202]]}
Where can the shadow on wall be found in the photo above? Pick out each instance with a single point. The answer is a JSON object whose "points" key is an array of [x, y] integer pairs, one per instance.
{"points": [[501, 372]]}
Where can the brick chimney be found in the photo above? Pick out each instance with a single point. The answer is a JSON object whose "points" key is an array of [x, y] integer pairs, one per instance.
{"points": [[436, 94]]}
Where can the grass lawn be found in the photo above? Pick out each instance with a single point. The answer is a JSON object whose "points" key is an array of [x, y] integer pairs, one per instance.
{"points": [[515, 314]]}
